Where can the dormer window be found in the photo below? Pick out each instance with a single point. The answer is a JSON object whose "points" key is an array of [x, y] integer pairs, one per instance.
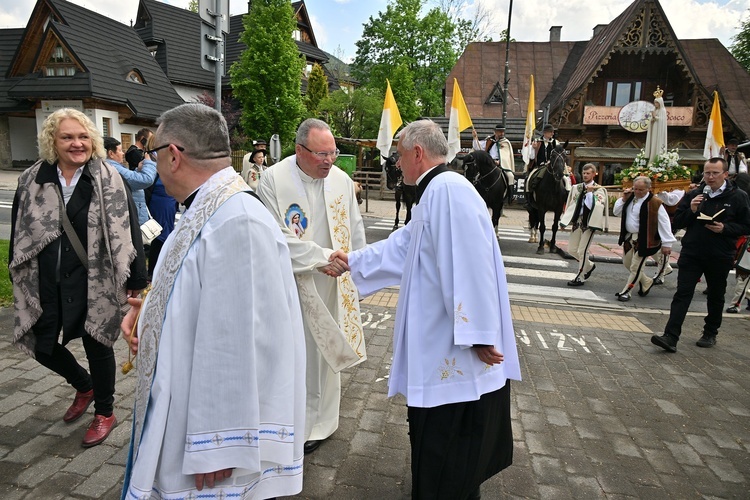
{"points": [[135, 77], [59, 63]]}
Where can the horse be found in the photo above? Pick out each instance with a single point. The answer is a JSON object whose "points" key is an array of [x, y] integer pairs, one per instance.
{"points": [[489, 181], [394, 179], [549, 195]]}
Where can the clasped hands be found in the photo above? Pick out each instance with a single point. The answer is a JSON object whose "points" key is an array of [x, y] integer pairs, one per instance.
{"points": [[338, 264]]}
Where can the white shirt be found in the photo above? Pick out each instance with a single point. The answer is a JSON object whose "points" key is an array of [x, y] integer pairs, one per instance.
{"points": [[633, 223]]}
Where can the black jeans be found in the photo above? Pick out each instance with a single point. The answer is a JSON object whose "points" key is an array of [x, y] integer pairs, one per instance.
{"points": [[691, 268], [102, 364]]}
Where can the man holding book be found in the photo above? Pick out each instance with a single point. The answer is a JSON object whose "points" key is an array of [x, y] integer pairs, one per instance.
{"points": [[713, 215]]}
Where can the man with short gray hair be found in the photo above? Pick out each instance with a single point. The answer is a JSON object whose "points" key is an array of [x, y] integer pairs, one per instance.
{"points": [[315, 204], [645, 230], [454, 349], [220, 340]]}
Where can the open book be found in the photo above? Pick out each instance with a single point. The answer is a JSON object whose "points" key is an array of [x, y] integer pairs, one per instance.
{"points": [[707, 219]]}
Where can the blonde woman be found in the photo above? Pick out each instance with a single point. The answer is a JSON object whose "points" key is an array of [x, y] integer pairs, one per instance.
{"points": [[74, 281]]}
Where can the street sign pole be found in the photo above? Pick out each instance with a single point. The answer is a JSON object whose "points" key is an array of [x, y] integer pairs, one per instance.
{"points": [[216, 13]]}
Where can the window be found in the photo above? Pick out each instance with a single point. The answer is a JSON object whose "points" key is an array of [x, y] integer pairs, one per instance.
{"points": [[107, 127], [59, 63], [296, 35], [135, 77], [621, 93]]}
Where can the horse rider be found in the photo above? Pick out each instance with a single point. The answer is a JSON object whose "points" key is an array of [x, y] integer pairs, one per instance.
{"points": [[735, 160], [587, 210], [540, 157], [500, 149]]}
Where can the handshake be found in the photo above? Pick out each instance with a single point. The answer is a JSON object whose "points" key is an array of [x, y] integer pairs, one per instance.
{"points": [[338, 264]]}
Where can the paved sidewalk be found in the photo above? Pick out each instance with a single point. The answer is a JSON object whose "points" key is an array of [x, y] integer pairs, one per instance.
{"points": [[601, 413]]}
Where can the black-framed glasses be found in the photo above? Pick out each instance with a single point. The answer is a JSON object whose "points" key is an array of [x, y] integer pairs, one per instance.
{"points": [[152, 151], [322, 155]]}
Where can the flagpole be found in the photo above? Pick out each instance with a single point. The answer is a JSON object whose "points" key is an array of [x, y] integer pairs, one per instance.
{"points": [[507, 65]]}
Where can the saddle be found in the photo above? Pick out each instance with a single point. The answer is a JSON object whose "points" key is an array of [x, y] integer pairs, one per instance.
{"points": [[532, 180]]}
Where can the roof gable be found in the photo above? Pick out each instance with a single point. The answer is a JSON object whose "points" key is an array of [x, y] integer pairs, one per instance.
{"points": [[105, 49], [641, 28]]}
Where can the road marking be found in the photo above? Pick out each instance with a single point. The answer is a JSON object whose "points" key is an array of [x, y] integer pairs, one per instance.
{"points": [[533, 261], [534, 273], [551, 291]]}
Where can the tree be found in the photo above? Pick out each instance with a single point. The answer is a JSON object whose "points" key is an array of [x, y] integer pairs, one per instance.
{"points": [[317, 89], [266, 78], [193, 6], [354, 114], [231, 113], [427, 46], [740, 48]]}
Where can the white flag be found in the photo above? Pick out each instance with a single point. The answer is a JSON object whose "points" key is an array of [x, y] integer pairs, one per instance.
{"points": [[389, 123], [528, 135], [459, 121], [715, 132]]}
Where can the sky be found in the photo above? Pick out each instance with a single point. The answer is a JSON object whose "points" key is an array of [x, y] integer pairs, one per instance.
{"points": [[338, 23]]}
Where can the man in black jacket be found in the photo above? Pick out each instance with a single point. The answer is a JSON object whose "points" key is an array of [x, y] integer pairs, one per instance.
{"points": [[714, 215]]}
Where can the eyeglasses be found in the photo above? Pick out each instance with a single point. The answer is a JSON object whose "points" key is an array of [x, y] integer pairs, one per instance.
{"points": [[712, 174], [152, 151], [323, 154]]}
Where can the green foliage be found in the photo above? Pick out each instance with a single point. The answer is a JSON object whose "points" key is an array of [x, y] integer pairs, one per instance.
{"points": [[193, 6], [426, 47], [266, 78], [355, 114], [317, 90], [740, 48], [6, 288]]}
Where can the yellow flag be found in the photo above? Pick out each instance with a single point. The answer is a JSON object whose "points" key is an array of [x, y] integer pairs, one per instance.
{"points": [[528, 135], [390, 121], [715, 132], [459, 121]]}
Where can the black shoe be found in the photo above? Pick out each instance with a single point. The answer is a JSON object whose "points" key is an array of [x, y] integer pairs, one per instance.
{"points": [[575, 282], [733, 310], [311, 446], [748, 305], [624, 297], [658, 280], [588, 274], [665, 342], [706, 341], [642, 292]]}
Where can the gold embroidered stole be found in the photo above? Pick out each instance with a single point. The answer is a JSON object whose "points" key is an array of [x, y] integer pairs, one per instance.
{"points": [[341, 340], [213, 193]]}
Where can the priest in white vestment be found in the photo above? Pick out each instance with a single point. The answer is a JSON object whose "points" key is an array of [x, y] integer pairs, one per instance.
{"points": [[315, 204], [219, 409], [454, 349]]}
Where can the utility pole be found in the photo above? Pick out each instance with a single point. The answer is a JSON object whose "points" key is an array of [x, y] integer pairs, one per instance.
{"points": [[507, 66]]}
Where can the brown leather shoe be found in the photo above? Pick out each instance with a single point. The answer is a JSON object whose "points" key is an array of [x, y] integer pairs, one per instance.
{"points": [[99, 430], [79, 406]]}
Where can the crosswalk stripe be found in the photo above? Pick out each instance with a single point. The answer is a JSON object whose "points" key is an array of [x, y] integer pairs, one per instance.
{"points": [[534, 273], [551, 291], [535, 262]]}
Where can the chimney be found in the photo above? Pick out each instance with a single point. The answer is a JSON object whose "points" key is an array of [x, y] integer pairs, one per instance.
{"points": [[554, 33], [598, 29]]}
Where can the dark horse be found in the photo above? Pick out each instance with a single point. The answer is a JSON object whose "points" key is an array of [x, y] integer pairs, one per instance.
{"points": [[549, 195], [394, 179], [489, 181]]}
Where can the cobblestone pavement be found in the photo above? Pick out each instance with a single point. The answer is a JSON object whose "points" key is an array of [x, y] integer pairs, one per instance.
{"points": [[601, 413]]}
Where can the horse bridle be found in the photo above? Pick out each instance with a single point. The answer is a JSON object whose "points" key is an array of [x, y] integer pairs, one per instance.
{"points": [[478, 181], [550, 164]]}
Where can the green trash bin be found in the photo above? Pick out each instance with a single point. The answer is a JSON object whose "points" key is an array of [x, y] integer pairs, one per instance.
{"points": [[347, 163]]}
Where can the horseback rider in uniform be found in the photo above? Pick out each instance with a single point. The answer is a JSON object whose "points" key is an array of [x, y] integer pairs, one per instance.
{"points": [[540, 157], [501, 151]]}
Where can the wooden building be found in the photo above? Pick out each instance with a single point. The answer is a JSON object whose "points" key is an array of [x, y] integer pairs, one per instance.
{"points": [[583, 85]]}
